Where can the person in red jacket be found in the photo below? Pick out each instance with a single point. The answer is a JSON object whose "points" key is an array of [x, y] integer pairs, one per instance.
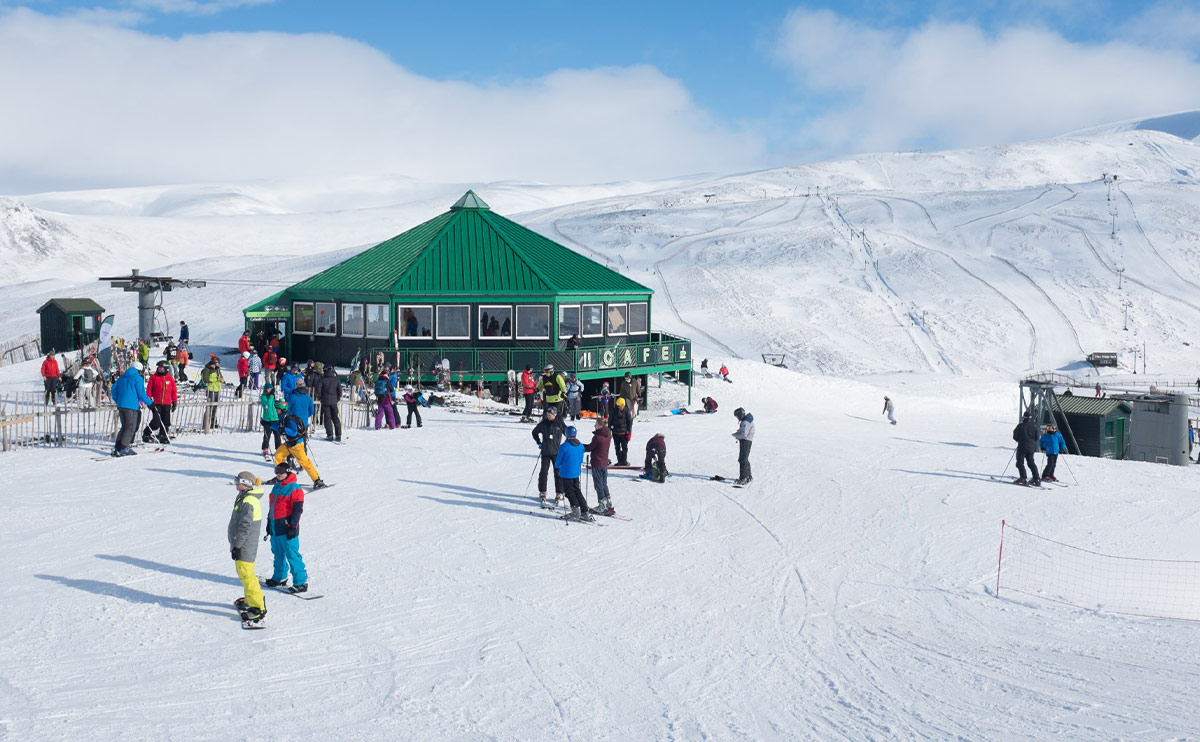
{"points": [[269, 359], [51, 377], [244, 342], [243, 369], [162, 391], [529, 389]]}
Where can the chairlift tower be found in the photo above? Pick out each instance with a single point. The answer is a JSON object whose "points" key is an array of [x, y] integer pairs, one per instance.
{"points": [[1040, 401], [149, 290]]}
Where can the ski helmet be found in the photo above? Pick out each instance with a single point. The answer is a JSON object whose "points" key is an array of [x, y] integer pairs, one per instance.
{"points": [[549, 368], [571, 432], [739, 413], [245, 354], [246, 478], [620, 401], [138, 365], [282, 468]]}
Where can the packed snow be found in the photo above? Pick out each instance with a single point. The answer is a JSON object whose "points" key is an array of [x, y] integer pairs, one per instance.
{"points": [[847, 593]]}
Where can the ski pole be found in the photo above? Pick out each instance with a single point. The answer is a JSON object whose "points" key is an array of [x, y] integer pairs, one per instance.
{"points": [[1070, 471], [587, 482], [536, 461], [1010, 460]]}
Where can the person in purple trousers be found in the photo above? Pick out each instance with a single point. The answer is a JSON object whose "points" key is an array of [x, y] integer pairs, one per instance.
{"points": [[384, 393]]}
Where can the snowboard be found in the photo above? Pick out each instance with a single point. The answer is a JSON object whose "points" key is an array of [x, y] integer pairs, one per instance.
{"points": [[302, 596]]}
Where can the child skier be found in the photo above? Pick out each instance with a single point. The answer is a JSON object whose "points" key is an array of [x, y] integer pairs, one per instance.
{"points": [[569, 464], [287, 503], [410, 400], [271, 407], [244, 526]]}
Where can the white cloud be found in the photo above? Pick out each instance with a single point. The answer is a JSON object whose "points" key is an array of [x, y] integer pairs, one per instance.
{"points": [[193, 7], [88, 103], [951, 84], [1168, 24]]}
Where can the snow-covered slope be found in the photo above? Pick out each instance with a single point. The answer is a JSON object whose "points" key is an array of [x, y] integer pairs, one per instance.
{"points": [[1185, 125]]}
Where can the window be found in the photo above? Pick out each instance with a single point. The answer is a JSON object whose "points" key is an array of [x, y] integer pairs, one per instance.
{"points": [[533, 322], [639, 318], [618, 315], [495, 322], [377, 320], [454, 322], [593, 320], [353, 322], [302, 318], [1108, 429], [568, 320], [416, 322], [326, 318], [89, 324]]}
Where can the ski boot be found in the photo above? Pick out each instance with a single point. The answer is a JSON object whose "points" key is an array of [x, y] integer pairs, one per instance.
{"points": [[319, 484], [298, 589], [542, 499], [240, 604], [573, 515]]}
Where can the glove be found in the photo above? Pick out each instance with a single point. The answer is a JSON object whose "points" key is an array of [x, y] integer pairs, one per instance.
{"points": [[292, 532], [539, 445], [174, 405], [628, 437], [236, 553]]}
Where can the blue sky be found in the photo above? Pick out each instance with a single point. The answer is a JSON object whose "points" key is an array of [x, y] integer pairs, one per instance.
{"points": [[755, 83]]}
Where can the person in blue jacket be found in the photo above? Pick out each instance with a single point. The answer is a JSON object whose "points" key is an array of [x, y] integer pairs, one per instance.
{"points": [[129, 394], [287, 383], [295, 433], [569, 463], [1052, 444]]}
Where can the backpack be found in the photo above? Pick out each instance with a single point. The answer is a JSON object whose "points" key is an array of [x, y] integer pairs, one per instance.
{"points": [[88, 376], [301, 428], [381, 387]]}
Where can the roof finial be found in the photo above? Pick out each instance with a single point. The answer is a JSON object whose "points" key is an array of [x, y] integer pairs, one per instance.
{"points": [[469, 201]]}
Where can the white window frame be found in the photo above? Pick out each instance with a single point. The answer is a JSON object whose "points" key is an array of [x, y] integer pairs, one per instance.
{"points": [[629, 317], [561, 307], [432, 318], [438, 321], [517, 321], [342, 318], [607, 307], [512, 320], [312, 306], [337, 317], [603, 321], [387, 308]]}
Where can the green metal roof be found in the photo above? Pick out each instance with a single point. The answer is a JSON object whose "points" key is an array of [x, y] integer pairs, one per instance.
{"points": [[269, 307], [74, 306], [1099, 406], [469, 251]]}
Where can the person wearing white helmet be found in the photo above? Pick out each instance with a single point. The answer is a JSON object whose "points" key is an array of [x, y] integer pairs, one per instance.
{"points": [[410, 400], [243, 371], [554, 390]]}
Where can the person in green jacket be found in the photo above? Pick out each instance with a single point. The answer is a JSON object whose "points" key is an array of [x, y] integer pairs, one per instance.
{"points": [[272, 410], [143, 352], [554, 390], [211, 379]]}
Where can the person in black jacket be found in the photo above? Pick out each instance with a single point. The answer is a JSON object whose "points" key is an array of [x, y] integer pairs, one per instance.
{"points": [[1026, 435], [328, 391], [549, 434], [621, 425]]}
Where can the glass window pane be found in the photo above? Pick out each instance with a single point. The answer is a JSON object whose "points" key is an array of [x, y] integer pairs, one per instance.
{"points": [[377, 320], [302, 318], [454, 322], [568, 321], [533, 322], [353, 322], [415, 322], [617, 323], [495, 321], [326, 318], [593, 320], [639, 318]]}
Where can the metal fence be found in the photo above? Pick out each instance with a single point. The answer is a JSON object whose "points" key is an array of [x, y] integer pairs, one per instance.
{"points": [[25, 348], [26, 420]]}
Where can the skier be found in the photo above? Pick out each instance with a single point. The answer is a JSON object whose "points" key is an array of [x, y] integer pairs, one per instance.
{"points": [[287, 382], [745, 439], [528, 390], [184, 333], [50, 377], [243, 530], [1097, 389], [410, 401], [86, 378], [271, 407], [724, 372], [269, 360], [128, 395], [243, 372], [574, 396], [169, 354], [656, 453], [631, 392], [710, 405], [283, 526], [1052, 444], [621, 424], [211, 379], [181, 361], [888, 408], [597, 448], [329, 392], [161, 388], [553, 389], [1026, 436], [548, 436], [295, 433], [255, 368], [143, 352], [568, 465], [244, 342], [383, 400]]}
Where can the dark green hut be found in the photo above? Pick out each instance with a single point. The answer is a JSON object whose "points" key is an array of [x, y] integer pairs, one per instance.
{"points": [[1100, 424], [481, 291], [69, 324]]}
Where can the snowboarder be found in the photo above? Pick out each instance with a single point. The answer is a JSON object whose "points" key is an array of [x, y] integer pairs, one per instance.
{"points": [[383, 401], [283, 526], [655, 468], [724, 373], [161, 388], [295, 433], [888, 408], [410, 401], [128, 395], [329, 392], [554, 389], [243, 372], [255, 368], [598, 448], [1026, 436], [710, 405], [548, 435], [1052, 444], [574, 396], [621, 424], [568, 465], [745, 439], [243, 530], [212, 380], [50, 378], [271, 407]]}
